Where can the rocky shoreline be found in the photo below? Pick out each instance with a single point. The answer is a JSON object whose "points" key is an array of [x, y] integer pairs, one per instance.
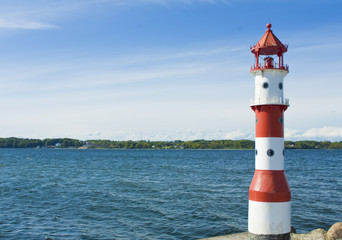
{"points": [[334, 233]]}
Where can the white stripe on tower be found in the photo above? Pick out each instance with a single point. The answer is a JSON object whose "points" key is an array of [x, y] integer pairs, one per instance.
{"points": [[269, 218], [269, 153]]}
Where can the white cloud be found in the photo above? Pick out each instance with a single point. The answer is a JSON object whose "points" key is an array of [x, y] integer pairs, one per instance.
{"points": [[318, 134], [184, 135], [323, 133], [291, 133], [235, 135]]}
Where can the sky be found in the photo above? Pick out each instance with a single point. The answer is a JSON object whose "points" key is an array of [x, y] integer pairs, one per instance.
{"points": [[163, 69]]}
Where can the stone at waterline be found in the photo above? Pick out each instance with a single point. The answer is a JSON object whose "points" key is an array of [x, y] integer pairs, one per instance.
{"points": [[335, 232]]}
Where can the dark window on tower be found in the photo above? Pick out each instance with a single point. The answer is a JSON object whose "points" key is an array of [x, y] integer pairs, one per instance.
{"points": [[281, 120], [270, 152], [280, 85], [265, 85]]}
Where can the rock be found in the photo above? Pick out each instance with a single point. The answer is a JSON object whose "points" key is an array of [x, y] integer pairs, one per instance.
{"points": [[335, 232], [293, 230], [318, 234]]}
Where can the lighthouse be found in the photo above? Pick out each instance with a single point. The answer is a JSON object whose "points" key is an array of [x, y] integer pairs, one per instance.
{"points": [[269, 211]]}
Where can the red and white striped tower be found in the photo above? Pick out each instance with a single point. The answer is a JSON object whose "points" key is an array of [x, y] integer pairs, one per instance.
{"points": [[269, 215]]}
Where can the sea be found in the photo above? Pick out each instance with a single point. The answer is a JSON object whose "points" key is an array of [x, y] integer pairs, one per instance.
{"points": [[153, 194]]}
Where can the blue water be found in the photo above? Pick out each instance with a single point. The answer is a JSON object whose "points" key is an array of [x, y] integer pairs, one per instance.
{"points": [[153, 194]]}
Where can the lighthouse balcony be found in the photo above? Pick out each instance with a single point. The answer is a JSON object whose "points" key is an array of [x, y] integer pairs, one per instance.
{"points": [[269, 66], [270, 101]]}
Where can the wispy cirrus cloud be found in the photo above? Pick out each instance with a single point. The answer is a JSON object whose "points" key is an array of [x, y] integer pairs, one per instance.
{"points": [[166, 2], [25, 24], [24, 15], [41, 14], [19, 14]]}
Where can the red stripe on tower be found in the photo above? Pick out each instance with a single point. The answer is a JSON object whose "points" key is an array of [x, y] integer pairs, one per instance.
{"points": [[269, 215], [269, 186], [270, 120]]}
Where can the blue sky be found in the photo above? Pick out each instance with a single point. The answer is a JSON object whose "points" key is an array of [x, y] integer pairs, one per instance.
{"points": [[163, 69]]}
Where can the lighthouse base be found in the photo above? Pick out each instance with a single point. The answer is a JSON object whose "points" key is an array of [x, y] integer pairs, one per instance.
{"points": [[285, 236]]}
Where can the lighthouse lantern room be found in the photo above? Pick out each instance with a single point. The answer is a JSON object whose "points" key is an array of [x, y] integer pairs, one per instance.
{"points": [[269, 214]]}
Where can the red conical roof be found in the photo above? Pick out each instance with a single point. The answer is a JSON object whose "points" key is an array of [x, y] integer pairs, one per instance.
{"points": [[269, 44]]}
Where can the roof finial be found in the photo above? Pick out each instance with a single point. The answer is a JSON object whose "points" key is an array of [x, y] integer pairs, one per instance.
{"points": [[268, 25]]}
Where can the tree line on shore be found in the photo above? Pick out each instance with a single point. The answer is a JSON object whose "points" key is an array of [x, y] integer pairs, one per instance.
{"points": [[142, 144]]}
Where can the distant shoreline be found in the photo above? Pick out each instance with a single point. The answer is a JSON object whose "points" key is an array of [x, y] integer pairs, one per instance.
{"points": [[67, 143]]}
